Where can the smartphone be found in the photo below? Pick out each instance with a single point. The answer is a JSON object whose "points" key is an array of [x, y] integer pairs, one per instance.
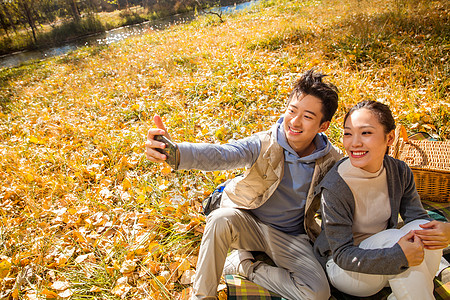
{"points": [[171, 151]]}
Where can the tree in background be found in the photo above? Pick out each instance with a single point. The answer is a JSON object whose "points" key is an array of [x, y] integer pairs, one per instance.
{"points": [[73, 18], [72, 4], [5, 21], [48, 12], [26, 12]]}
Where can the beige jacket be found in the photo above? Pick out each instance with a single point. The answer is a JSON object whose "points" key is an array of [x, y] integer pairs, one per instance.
{"points": [[258, 183]]}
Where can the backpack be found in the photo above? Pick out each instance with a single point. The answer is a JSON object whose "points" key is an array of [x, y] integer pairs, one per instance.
{"points": [[212, 202]]}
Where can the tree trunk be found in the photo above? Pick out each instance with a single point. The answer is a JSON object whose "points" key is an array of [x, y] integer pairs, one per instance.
{"points": [[92, 6], [29, 17], [74, 9], [3, 19]]}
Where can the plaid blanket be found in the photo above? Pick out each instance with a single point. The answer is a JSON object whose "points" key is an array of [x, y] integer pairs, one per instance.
{"points": [[240, 288], [420, 136], [441, 290]]}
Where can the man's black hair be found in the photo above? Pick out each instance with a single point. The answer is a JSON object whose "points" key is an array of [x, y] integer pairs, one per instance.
{"points": [[310, 83]]}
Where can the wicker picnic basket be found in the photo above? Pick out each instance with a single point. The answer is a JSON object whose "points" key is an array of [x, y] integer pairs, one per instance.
{"points": [[429, 161]]}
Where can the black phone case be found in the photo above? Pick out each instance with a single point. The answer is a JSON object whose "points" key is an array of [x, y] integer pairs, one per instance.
{"points": [[171, 151]]}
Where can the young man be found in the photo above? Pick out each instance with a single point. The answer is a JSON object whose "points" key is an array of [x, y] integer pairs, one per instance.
{"points": [[271, 208]]}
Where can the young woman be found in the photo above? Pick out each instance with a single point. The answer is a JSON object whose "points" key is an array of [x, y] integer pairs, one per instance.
{"points": [[360, 246]]}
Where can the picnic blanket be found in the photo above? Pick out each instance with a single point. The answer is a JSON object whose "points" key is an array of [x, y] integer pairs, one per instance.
{"points": [[240, 288]]}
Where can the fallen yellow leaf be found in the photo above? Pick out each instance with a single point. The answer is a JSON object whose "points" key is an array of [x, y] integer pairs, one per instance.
{"points": [[186, 294], [126, 183], [49, 294], [122, 288], [166, 170], [60, 285], [66, 294], [128, 267], [187, 277], [15, 294], [5, 267], [95, 289]]}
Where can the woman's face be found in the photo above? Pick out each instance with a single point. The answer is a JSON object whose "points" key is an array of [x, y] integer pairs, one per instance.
{"points": [[365, 141]]}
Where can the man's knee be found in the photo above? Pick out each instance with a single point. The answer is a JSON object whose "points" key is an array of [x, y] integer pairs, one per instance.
{"points": [[316, 292], [324, 294], [221, 220], [312, 285], [223, 212], [321, 290]]}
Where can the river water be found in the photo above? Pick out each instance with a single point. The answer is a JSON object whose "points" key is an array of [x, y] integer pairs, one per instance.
{"points": [[108, 37]]}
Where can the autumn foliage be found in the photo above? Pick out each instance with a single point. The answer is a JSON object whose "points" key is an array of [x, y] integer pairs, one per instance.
{"points": [[84, 215]]}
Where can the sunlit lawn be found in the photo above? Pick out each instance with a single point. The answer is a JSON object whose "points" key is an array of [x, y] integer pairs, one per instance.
{"points": [[85, 216]]}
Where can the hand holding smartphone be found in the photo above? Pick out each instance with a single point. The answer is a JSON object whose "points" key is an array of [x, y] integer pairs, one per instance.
{"points": [[171, 151]]}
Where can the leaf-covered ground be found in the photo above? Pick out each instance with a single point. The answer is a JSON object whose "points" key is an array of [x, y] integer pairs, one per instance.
{"points": [[83, 215]]}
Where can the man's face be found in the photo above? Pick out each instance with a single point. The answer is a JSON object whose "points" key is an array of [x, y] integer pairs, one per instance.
{"points": [[302, 121]]}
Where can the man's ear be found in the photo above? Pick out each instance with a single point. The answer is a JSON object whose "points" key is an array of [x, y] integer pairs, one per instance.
{"points": [[390, 137], [324, 126]]}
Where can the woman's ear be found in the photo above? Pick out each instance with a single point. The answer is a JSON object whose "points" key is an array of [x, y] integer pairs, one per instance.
{"points": [[390, 138]]}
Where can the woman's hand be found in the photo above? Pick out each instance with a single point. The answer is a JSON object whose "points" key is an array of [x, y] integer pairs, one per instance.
{"points": [[435, 235], [413, 248]]}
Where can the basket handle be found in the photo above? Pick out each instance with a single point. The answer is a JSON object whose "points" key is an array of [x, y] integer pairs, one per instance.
{"points": [[400, 132]]}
